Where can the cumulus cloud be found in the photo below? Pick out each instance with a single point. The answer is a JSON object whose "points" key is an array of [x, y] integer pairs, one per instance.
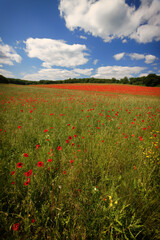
{"points": [[117, 72], [113, 19], [137, 56], [119, 56], [8, 55], [6, 73], [57, 74], [56, 52]]}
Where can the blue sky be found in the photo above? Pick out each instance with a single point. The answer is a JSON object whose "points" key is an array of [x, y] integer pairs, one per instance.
{"points": [[61, 39]]}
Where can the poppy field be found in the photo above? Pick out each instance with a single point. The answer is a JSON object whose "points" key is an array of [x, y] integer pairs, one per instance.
{"points": [[79, 165]]}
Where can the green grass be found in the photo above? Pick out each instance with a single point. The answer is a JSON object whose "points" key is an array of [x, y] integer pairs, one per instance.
{"points": [[103, 184]]}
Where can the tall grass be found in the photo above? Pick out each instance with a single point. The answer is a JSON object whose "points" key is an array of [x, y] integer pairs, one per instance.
{"points": [[92, 162]]}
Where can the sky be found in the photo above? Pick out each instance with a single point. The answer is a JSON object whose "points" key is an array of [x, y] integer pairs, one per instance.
{"points": [[61, 39]]}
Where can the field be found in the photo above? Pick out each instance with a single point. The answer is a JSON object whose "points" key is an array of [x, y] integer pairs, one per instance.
{"points": [[79, 165]]}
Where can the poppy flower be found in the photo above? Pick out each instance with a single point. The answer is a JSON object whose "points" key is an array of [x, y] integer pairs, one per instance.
{"points": [[28, 181], [13, 183], [70, 137], [40, 164], [49, 160], [29, 173], [25, 154], [46, 130], [37, 146], [64, 172], [71, 161], [19, 127], [59, 148], [19, 165], [15, 226], [67, 141], [12, 173], [33, 220]]}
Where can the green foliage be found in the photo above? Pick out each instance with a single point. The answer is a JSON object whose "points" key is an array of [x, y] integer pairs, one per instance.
{"points": [[151, 80]]}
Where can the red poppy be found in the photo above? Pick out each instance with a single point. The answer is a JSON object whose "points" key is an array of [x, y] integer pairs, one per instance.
{"points": [[71, 161], [12, 173], [134, 167], [25, 154], [13, 183], [67, 141], [40, 164], [75, 135], [19, 165], [29, 173], [37, 146], [28, 181], [73, 127], [15, 226], [49, 160], [46, 130], [19, 127], [21, 110], [59, 148], [64, 172], [141, 138], [70, 137], [33, 220]]}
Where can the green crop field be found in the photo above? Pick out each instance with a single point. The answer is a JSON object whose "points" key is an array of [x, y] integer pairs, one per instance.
{"points": [[78, 165]]}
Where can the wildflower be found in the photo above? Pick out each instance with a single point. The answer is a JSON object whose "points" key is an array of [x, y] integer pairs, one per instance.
{"points": [[37, 146], [12, 173], [59, 148], [19, 165], [33, 220], [19, 127], [40, 164], [46, 130], [67, 141], [29, 173], [64, 172], [134, 167], [71, 161], [49, 160], [13, 183], [15, 226], [28, 181], [25, 154], [115, 202], [70, 137]]}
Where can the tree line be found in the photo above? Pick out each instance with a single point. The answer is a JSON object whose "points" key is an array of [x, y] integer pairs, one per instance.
{"points": [[151, 80]]}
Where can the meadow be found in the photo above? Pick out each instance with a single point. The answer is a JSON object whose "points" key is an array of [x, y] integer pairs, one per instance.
{"points": [[79, 165]]}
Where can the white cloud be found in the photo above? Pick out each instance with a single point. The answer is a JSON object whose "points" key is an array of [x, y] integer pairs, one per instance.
{"points": [[124, 41], [56, 52], [8, 55], [1, 65], [137, 56], [150, 59], [119, 56], [57, 74], [6, 73], [83, 37], [95, 61], [113, 19], [117, 72]]}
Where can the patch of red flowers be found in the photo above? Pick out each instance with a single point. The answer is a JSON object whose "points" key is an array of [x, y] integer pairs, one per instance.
{"points": [[15, 226]]}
